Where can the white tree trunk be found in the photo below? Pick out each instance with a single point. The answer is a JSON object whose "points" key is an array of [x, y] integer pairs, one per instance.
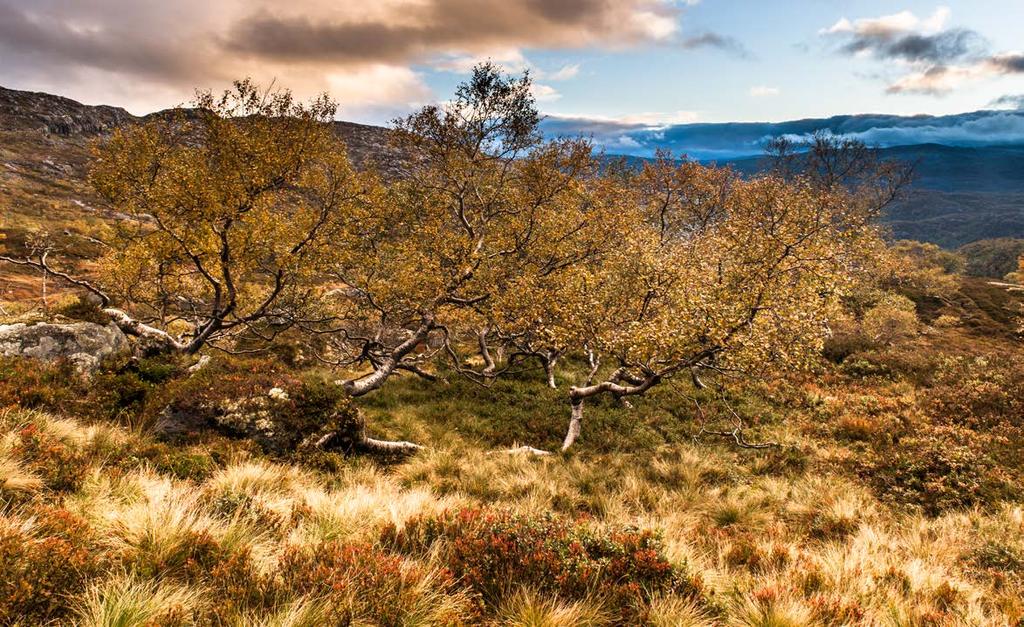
{"points": [[132, 326], [389, 447], [549, 369], [575, 424]]}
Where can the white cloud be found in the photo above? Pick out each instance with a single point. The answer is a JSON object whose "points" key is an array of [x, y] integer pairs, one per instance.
{"points": [[763, 91], [509, 59], [369, 87], [544, 93], [937, 21], [563, 73], [904, 21]]}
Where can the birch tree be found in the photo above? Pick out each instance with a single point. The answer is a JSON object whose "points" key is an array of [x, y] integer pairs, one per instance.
{"points": [[230, 207], [716, 274], [486, 218]]}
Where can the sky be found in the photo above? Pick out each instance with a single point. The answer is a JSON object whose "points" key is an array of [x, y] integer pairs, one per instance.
{"points": [[649, 63]]}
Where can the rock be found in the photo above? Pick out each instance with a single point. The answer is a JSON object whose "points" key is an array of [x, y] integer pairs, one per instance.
{"points": [[85, 344]]}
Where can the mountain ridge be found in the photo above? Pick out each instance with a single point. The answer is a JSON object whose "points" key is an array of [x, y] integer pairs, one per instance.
{"points": [[960, 194]]}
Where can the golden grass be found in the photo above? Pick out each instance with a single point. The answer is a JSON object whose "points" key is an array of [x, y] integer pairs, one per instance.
{"points": [[807, 549], [127, 601]]}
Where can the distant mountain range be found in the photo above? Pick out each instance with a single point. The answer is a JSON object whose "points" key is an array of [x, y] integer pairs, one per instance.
{"points": [[734, 140], [969, 168], [959, 194], [969, 181]]}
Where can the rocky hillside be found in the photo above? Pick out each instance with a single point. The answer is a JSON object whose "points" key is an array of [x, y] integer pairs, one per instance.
{"points": [[34, 111], [44, 155]]}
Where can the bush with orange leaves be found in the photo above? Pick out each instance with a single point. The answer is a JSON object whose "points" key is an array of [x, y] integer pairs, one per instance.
{"points": [[42, 564], [361, 580], [496, 551], [59, 465]]}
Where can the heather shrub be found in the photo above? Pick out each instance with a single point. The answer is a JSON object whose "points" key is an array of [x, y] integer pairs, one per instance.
{"points": [[939, 468], [34, 385], [998, 560], [980, 393], [58, 465], [43, 561], [85, 310], [364, 582], [496, 552]]}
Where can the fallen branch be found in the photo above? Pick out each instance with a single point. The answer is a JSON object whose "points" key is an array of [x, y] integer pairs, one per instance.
{"points": [[736, 433], [388, 447], [523, 450], [131, 326]]}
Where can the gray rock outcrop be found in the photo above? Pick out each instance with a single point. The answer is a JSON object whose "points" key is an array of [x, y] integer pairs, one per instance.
{"points": [[87, 345]]}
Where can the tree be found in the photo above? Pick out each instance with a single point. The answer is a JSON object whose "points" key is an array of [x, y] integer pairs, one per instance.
{"points": [[715, 274], [1018, 275], [232, 205], [891, 319], [485, 222], [924, 266]]}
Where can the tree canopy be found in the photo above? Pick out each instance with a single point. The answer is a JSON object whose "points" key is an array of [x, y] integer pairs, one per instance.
{"points": [[245, 220]]}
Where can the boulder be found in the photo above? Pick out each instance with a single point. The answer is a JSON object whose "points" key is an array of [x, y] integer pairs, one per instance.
{"points": [[87, 345]]}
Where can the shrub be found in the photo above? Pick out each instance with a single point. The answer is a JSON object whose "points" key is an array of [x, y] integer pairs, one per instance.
{"points": [[33, 385], [997, 557], [892, 319], [939, 468], [992, 257], [495, 552], [59, 466], [42, 563], [258, 399], [980, 393], [85, 310], [365, 582]]}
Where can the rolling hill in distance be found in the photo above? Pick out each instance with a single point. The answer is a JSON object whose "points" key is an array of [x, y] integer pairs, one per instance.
{"points": [[969, 168]]}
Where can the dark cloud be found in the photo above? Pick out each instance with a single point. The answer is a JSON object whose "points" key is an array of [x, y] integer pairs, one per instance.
{"points": [[943, 47], [933, 60], [44, 35], [443, 25], [715, 40], [891, 43], [1009, 63], [1010, 101]]}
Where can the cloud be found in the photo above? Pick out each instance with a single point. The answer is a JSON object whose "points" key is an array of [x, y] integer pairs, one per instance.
{"points": [[734, 140], [544, 93], [1012, 63], [763, 91], [628, 135], [931, 58], [563, 73], [1008, 101], [715, 40], [146, 55], [412, 31]]}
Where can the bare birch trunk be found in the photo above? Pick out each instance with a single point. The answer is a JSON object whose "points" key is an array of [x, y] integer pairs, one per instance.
{"points": [[549, 361], [575, 424]]}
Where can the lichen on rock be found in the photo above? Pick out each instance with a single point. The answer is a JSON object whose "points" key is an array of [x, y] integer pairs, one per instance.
{"points": [[87, 345]]}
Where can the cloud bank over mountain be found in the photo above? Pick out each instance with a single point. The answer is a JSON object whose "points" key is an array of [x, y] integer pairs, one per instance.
{"points": [[731, 140]]}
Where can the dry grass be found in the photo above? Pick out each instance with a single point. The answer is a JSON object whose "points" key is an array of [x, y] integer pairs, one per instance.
{"points": [[759, 542], [126, 601]]}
